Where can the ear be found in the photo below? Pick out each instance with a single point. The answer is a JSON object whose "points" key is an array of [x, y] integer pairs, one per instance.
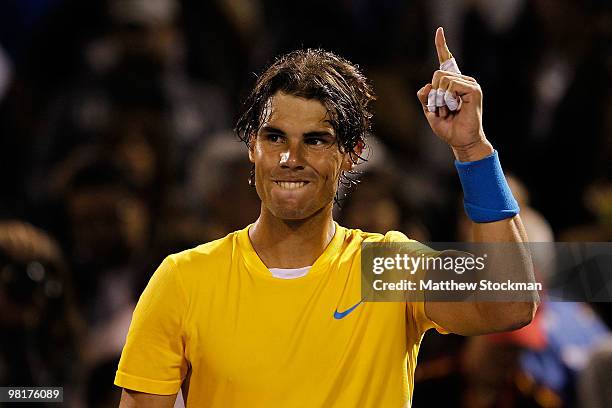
{"points": [[351, 159]]}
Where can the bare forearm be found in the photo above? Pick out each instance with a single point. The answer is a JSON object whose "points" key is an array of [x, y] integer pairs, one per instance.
{"points": [[508, 230]]}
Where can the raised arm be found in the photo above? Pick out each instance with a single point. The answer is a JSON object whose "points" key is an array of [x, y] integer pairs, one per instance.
{"points": [[462, 129]]}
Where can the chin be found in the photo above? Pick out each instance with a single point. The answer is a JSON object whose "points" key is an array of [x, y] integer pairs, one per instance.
{"points": [[296, 212], [291, 213]]}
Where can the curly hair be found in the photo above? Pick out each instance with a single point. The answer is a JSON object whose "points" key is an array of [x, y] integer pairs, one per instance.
{"points": [[315, 74]]}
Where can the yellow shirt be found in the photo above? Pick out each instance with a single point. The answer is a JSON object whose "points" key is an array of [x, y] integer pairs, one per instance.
{"points": [[243, 338]]}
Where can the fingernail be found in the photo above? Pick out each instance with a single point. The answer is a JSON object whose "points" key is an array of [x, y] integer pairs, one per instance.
{"points": [[440, 98], [451, 101]]}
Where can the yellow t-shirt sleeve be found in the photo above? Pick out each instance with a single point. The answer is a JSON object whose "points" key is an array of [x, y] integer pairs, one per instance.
{"points": [[417, 309], [153, 358]]}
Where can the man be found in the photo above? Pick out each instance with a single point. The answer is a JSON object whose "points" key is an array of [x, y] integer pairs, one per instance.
{"points": [[271, 316]]}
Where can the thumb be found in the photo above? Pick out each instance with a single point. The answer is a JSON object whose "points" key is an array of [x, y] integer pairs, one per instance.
{"points": [[422, 95]]}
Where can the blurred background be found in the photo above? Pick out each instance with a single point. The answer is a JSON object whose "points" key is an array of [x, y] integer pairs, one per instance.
{"points": [[116, 149]]}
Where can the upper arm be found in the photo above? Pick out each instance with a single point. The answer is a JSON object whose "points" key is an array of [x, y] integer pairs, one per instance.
{"points": [[135, 399], [476, 318], [456, 317], [449, 309], [467, 316]]}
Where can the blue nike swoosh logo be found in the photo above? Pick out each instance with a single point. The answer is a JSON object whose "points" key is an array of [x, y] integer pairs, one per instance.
{"points": [[339, 315]]}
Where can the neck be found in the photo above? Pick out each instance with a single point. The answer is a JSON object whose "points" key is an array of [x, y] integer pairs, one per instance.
{"points": [[291, 243]]}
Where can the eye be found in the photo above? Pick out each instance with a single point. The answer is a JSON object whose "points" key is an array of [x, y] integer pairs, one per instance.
{"points": [[315, 141], [319, 141], [274, 138]]}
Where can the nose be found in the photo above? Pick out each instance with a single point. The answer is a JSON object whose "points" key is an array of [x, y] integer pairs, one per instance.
{"points": [[292, 157]]}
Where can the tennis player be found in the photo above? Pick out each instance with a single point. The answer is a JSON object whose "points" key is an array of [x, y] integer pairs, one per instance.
{"points": [[272, 315]]}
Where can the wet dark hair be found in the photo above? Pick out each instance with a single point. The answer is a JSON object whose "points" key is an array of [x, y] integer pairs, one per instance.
{"points": [[315, 74]]}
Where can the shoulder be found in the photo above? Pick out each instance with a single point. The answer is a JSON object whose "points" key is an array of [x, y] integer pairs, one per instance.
{"points": [[354, 238], [210, 249], [204, 259], [364, 236]]}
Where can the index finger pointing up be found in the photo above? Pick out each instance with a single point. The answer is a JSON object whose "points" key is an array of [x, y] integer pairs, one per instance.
{"points": [[441, 47]]}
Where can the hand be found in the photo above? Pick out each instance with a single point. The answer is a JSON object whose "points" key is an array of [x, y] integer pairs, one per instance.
{"points": [[462, 128]]}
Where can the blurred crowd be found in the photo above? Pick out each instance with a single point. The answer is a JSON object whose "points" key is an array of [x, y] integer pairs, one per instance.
{"points": [[117, 148]]}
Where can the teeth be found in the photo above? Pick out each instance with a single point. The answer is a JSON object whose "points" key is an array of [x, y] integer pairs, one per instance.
{"points": [[291, 185]]}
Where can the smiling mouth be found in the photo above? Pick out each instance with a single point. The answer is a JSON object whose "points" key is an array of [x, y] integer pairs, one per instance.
{"points": [[291, 185]]}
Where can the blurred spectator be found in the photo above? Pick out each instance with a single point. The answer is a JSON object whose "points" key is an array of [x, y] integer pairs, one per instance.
{"points": [[41, 329], [376, 205], [138, 145], [598, 200], [108, 233], [137, 66], [594, 385], [221, 169]]}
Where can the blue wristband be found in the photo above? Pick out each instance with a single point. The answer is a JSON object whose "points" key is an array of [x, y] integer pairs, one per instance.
{"points": [[486, 195]]}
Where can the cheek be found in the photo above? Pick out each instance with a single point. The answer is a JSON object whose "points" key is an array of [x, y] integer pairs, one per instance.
{"points": [[256, 153], [338, 167], [259, 179], [261, 159], [333, 171], [335, 176]]}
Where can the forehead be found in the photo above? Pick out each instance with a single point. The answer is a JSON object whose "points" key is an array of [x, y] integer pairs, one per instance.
{"points": [[293, 112]]}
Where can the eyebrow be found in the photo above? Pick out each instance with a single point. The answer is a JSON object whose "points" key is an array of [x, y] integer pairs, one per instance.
{"points": [[316, 133]]}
